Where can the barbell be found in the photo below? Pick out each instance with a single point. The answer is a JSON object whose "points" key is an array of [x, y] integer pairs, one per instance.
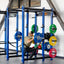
{"points": [[37, 37]]}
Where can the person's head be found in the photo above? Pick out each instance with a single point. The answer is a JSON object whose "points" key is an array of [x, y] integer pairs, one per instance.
{"points": [[31, 33]]}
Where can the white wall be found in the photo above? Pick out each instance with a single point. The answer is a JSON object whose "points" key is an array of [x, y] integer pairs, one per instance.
{"points": [[3, 6], [59, 34], [59, 4]]}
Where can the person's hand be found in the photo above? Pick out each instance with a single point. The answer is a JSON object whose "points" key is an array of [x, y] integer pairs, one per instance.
{"points": [[32, 37], [20, 40], [28, 41]]}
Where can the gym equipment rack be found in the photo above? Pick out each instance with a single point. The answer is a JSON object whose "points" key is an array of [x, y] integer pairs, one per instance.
{"points": [[23, 10]]}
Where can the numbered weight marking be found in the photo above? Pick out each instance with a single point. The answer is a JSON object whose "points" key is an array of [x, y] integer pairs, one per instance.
{"points": [[52, 53], [33, 28], [52, 40], [53, 28], [18, 35], [38, 37]]}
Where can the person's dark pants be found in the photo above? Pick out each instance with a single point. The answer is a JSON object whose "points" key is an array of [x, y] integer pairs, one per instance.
{"points": [[29, 50]]}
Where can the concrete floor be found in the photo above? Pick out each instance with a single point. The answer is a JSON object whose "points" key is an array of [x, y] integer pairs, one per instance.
{"points": [[18, 61]]}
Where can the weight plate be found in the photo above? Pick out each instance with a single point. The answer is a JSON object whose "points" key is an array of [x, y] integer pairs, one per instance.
{"points": [[33, 28], [52, 53], [52, 40], [47, 46], [18, 35], [39, 47], [35, 46], [52, 28], [38, 37]]}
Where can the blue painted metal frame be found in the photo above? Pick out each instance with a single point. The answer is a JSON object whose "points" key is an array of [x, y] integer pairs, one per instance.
{"points": [[5, 33], [27, 26], [7, 49], [52, 17], [51, 24], [22, 34], [17, 31], [35, 22], [35, 26], [43, 23], [27, 23]]}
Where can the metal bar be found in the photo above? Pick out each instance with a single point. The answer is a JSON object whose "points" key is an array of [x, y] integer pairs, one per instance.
{"points": [[5, 32], [43, 24], [12, 53], [14, 50], [38, 9], [1, 48], [13, 42], [4, 12], [9, 43], [35, 23], [27, 23], [10, 49], [35, 27], [51, 24], [18, 3], [27, 26], [2, 51], [30, 10], [16, 56], [22, 34], [29, 3], [17, 32], [7, 48], [52, 17], [3, 54], [2, 41], [60, 57]]}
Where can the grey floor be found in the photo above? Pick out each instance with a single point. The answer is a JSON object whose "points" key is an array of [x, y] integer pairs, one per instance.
{"points": [[18, 61]]}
